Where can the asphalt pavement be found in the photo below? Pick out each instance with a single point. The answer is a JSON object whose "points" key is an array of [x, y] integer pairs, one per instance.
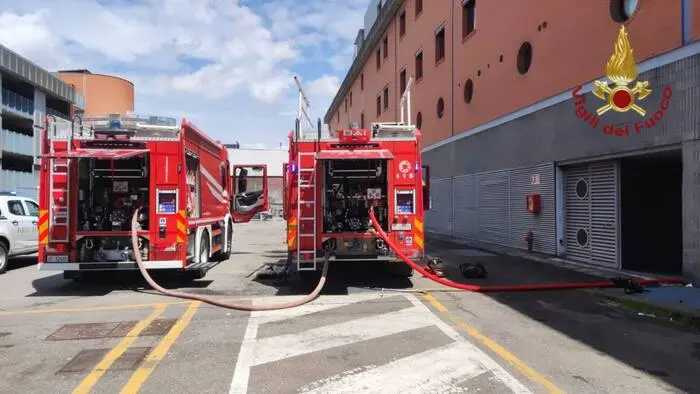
{"points": [[367, 332]]}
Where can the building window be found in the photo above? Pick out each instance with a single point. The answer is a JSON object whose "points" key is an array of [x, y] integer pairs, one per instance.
{"points": [[440, 108], [385, 46], [419, 7], [350, 99], [379, 58], [338, 117], [346, 105], [468, 9], [362, 81], [440, 44], [402, 23], [468, 91], [402, 81], [419, 65], [419, 120], [362, 120], [524, 58], [386, 97], [622, 10], [379, 105]]}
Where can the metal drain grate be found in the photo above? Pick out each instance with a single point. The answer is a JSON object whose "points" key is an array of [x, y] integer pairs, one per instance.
{"points": [[87, 359], [108, 330]]}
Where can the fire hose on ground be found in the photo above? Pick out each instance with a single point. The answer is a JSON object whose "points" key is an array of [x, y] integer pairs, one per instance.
{"points": [[615, 282], [212, 301]]}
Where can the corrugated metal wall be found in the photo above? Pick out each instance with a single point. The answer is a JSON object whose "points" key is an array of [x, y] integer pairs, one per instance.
{"points": [[439, 218], [491, 207], [591, 215]]}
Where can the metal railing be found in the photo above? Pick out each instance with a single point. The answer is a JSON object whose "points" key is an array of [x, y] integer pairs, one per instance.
{"points": [[17, 102]]}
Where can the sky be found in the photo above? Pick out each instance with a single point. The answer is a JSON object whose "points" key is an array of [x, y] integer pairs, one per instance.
{"points": [[225, 65]]}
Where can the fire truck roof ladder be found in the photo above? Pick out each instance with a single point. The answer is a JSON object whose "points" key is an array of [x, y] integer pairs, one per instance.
{"points": [[306, 188], [59, 185], [402, 128]]}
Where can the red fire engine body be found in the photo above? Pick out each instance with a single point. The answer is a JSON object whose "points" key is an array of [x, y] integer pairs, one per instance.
{"points": [[330, 183], [95, 173]]}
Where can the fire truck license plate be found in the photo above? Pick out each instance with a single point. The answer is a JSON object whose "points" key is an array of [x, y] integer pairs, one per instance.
{"points": [[56, 259]]}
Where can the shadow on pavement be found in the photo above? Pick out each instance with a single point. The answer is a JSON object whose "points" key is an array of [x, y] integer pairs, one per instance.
{"points": [[21, 262], [341, 279], [100, 284], [665, 350]]}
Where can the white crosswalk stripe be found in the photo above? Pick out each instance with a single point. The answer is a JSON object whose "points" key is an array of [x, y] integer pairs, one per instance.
{"points": [[338, 326]]}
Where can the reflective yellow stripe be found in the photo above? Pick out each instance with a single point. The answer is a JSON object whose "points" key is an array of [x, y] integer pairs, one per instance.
{"points": [[418, 225], [292, 233], [418, 241]]}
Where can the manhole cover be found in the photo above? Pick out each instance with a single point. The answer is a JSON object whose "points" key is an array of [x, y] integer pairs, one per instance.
{"points": [[87, 359], [83, 331], [108, 330]]}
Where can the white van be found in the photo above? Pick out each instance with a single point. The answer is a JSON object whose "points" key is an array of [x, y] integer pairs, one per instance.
{"points": [[18, 227]]}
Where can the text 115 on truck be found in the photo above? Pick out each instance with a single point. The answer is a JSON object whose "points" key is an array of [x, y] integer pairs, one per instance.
{"points": [[96, 171]]}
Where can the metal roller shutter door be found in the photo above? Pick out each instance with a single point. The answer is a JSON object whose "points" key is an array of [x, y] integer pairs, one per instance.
{"points": [[466, 207], [439, 218], [543, 225], [591, 214], [494, 207]]}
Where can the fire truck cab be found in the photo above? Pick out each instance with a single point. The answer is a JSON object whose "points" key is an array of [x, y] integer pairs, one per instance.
{"points": [[96, 171]]}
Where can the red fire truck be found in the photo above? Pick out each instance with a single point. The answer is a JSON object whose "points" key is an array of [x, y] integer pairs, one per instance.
{"points": [[330, 182], [97, 170]]}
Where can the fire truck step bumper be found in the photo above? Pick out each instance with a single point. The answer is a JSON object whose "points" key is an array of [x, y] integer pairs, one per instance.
{"points": [[116, 265]]}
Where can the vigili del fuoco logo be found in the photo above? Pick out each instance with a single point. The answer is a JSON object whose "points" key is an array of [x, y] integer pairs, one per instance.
{"points": [[621, 70]]}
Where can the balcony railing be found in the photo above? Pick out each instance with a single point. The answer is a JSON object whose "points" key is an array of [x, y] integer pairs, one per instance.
{"points": [[17, 103]]}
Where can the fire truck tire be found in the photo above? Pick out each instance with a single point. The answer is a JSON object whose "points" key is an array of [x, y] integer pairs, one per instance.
{"points": [[3, 257], [203, 248], [223, 256]]}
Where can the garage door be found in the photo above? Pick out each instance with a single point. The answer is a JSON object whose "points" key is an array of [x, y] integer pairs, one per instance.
{"points": [[591, 214]]}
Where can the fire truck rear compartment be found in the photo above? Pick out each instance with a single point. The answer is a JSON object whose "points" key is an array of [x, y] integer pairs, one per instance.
{"points": [[108, 193], [351, 187]]}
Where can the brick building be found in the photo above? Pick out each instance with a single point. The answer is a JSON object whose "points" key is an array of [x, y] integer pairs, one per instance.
{"points": [[494, 98]]}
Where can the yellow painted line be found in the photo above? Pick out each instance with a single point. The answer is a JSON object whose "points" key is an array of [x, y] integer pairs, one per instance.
{"points": [[149, 364], [501, 351], [109, 307], [90, 308], [89, 381]]}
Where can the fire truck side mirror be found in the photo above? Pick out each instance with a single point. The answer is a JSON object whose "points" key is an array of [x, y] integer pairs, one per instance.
{"points": [[426, 187]]}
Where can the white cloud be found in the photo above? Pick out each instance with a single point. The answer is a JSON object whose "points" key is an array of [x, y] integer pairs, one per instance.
{"points": [[225, 65]]}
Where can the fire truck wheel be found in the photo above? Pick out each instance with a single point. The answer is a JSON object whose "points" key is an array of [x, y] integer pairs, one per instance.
{"points": [[3, 257], [204, 248], [223, 256]]}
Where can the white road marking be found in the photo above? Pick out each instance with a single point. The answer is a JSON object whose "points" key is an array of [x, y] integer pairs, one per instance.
{"points": [[430, 371], [284, 346]]}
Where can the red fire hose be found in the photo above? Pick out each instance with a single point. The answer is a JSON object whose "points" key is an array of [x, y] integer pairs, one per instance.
{"points": [[212, 301], [615, 282]]}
